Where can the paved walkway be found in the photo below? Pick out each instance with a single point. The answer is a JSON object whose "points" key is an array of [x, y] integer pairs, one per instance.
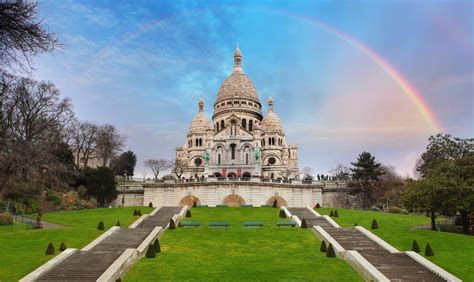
{"points": [[90, 265], [395, 266]]}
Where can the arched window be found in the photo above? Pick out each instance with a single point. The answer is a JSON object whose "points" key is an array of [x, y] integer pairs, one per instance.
{"points": [[246, 158], [217, 125], [197, 142], [273, 140], [218, 159], [200, 142], [269, 141], [232, 151], [222, 124], [250, 125], [244, 123]]}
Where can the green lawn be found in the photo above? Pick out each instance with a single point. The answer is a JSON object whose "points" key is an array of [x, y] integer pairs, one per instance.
{"points": [[453, 252], [23, 249], [238, 253]]}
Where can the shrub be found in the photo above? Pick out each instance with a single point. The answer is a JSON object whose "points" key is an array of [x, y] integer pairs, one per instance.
{"points": [[330, 253], [282, 213], [62, 247], [317, 206], [172, 224], [188, 213], [336, 214], [157, 246], [6, 219], [275, 204], [151, 252], [374, 224], [394, 210], [404, 211], [304, 224], [428, 250], [118, 223], [355, 224], [150, 205], [50, 249], [139, 212], [135, 212], [323, 247], [415, 247], [194, 204], [101, 226], [331, 214]]}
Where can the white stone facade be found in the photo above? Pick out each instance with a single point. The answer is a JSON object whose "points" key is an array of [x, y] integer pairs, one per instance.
{"points": [[240, 141]]}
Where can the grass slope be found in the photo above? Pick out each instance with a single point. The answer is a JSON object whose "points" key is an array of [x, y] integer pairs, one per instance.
{"points": [[23, 249], [238, 253], [453, 252]]}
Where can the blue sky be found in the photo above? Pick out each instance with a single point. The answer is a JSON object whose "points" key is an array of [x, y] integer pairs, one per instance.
{"points": [[143, 65]]}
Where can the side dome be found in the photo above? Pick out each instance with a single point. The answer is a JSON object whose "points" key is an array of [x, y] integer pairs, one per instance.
{"points": [[271, 122], [200, 123]]}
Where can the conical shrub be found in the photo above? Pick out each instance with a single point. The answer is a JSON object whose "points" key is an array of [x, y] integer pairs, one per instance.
{"points": [[62, 247], [172, 224], [374, 224], [50, 249], [304, 224], [188, 213], [355, 224], [139, 212], [150, 205], [135, 212], [330, 253], [331, 214], [151, 252], [317, 206], [324, 247], [157, 246], [275, 203], [118, 223], [336, 214], [282, 213], [415, 247], [101, 226], [428, 250]]}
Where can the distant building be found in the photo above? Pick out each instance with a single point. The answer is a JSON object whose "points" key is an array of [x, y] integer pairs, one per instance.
{"points": [[240, 141]]}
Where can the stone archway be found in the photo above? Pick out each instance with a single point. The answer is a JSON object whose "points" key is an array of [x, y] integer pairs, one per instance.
{"points": [[231, 175], [247, 174], [190, 201], [280, 202], [233, 201]]}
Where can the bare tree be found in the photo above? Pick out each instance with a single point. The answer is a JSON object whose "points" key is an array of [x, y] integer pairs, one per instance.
{"points": [[157, 166], [84, 141], [178, 168], [308, 172], [341, 172], [109, 143], [21, 34]]}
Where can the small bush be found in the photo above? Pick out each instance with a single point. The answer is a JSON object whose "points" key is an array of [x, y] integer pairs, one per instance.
{"points": [[428, 251], [118, 223], [355, 224], [62, 247], [172, 224], [275, 203], [50, 249], [282, 213], [404, 211], [101, 226], [317, 206], [336, 214], [188, 213], [150, 205], [374, 224], [151, 252], [135, 212], [415, 247], [6, 219], [330, 253], [394, 210], [304, 224], [139, 212], [157, 246], [323, 247], [331, 214]]}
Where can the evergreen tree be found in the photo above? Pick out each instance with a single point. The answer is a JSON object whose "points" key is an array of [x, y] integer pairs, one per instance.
{"points": [[62, 247], [415, 247], [323, 247], [118, 223], [125, 163], [365, 172], [151, 252], [50, 249], [157, 246], [101, 226], [374, 224], [336, 214], [330, 253], [428, 250]]}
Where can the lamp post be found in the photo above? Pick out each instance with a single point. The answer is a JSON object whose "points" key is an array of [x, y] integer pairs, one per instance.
{"points": [[38, 224], [123, 188]]}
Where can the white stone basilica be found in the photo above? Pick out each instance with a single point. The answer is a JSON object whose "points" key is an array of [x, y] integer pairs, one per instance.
{"points": [[240, 142]]}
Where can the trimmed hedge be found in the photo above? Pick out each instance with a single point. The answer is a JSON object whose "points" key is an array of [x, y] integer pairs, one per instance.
{"points": [[157, 246], [151, 252], [304, 224], [330, 253], [336, 214], [374, 224], [150, 205], [118, 223], [282, 214], [101, 226], [415, 247], [63, 246], [172, 224], [188, 213], [428, 251], [323, 247], [50, 249]]}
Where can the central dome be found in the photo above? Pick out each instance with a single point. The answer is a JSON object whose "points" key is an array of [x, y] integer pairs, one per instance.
{"points": [[237, 85]]}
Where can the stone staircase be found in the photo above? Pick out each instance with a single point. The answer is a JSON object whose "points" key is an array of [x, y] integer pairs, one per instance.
{"points": [[395, 266], [90, 265]]}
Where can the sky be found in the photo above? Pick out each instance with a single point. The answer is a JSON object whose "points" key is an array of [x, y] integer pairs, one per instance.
{"points": [[345, 76]]}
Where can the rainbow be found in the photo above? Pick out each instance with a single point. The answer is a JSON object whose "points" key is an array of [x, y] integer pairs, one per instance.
{"points": [[407, 88]]}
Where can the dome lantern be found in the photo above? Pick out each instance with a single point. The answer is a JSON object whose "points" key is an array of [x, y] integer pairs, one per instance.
{"points": [[238, 60]]}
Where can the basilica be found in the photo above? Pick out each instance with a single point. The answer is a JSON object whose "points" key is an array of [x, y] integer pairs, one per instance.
{"points": [[240, 141]]}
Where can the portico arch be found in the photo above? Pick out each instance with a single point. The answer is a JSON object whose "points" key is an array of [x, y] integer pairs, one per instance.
{"points": [[233, 200], [190, 201], [280, 202]]}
